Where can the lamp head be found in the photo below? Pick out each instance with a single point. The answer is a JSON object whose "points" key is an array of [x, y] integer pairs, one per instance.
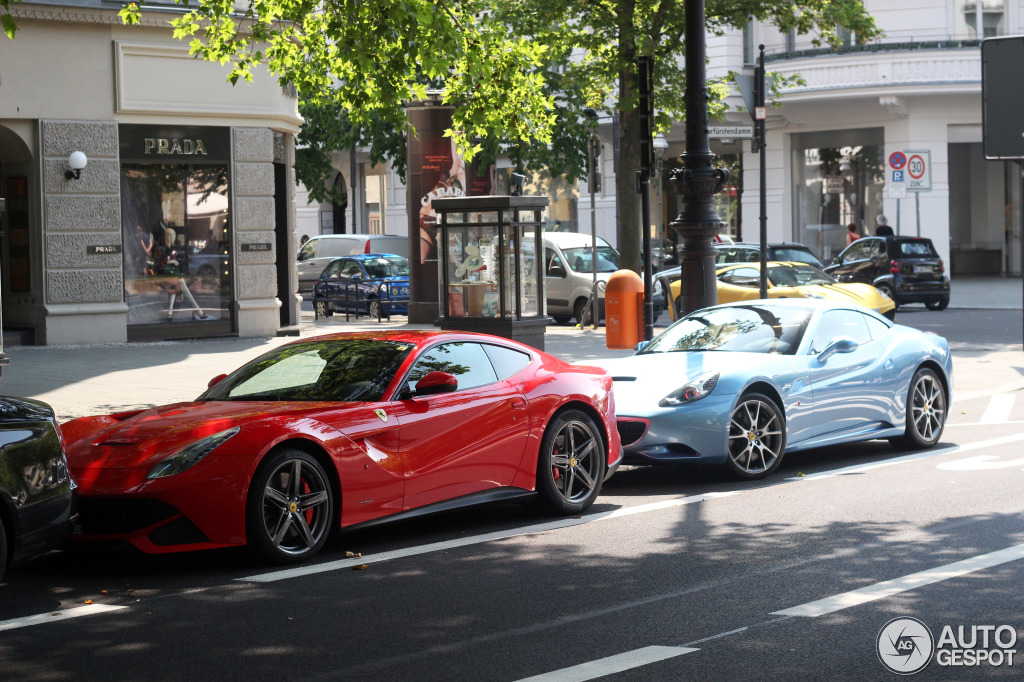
{"points": [[76, 162]]}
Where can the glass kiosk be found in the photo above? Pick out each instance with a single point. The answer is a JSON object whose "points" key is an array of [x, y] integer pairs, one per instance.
{"points": [[490, 274]]}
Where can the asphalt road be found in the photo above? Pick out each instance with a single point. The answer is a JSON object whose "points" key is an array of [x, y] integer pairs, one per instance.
{"points": [[673, 574]]}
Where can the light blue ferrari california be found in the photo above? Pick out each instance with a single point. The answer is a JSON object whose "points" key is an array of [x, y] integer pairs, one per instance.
{"points": [[744, 383]]}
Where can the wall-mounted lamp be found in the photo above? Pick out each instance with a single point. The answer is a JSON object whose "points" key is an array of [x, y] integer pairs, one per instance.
{"points": [[77, 162]]}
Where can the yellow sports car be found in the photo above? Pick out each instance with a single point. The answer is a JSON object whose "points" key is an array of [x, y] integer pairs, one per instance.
{"points": [[742, 282]]}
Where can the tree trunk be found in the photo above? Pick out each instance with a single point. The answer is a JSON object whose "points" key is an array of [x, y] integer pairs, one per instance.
{"points": [[628, 229]]}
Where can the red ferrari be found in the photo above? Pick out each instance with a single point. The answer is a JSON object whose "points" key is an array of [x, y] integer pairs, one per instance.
{"points": [[346, 429]]}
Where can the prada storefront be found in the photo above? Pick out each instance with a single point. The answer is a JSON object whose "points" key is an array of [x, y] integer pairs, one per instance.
{"points": [[176, 227]]}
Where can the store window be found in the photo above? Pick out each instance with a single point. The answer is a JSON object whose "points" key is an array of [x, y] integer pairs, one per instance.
{"points": [[838, 180], [176, 228]]}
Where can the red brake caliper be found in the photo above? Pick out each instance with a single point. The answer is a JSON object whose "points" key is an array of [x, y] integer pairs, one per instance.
{"points": [[555, 473]]}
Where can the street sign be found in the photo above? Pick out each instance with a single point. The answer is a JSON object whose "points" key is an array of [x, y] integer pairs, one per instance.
{"points": [[745, 132], [897, 160], [919, 170], [897, 190], [898, 176]]}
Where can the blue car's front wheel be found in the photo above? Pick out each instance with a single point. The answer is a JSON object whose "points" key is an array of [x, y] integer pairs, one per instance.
{"points": [[757, 437]]}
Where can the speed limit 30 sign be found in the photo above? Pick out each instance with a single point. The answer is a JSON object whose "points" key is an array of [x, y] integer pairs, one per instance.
{"points": [[918, 171]]}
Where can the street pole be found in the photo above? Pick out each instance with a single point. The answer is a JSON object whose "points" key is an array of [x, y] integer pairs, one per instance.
{"points": [[645, 75], [760, 115], [698, 181], [594, 186]]}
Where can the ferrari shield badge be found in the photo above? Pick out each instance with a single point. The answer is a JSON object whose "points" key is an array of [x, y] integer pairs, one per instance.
{"points": [[381, 414]]}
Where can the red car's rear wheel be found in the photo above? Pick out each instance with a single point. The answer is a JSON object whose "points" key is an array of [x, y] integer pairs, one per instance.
{"points": [[290, 507]]}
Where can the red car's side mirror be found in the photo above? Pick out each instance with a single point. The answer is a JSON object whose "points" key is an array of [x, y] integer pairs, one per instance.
{"points": [[216, 380], [436, 382]]}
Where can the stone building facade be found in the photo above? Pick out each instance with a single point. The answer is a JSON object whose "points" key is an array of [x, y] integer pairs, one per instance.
{"points": [[182, 222]]}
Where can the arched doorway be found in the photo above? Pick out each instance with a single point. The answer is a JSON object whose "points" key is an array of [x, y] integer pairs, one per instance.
{"points": [[19, 269]]}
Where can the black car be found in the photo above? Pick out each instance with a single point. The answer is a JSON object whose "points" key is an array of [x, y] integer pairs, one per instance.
{"points": [[38, 499], [907, 269]]}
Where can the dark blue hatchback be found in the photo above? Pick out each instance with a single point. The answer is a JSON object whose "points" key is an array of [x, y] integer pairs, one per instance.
{"points": [[374, 284]]}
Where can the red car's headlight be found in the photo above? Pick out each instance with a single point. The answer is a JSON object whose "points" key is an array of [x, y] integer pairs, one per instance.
{"points": [[190, 455]]}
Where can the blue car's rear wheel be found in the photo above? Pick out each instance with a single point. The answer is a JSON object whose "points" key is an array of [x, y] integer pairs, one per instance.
{"points": [[757, 437], [927, 406]]}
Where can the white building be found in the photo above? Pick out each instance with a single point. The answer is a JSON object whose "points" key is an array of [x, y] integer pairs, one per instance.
{"points": [[916, 91]]}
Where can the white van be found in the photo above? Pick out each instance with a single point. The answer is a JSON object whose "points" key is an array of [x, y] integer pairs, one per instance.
{"points": [[568, 273], [318, 252]]}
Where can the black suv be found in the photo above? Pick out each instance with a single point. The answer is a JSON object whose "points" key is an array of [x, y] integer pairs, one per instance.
{"points": [[908, 269]]}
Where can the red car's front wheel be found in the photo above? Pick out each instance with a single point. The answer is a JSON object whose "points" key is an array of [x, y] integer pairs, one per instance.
{"points": [[290, 507]]}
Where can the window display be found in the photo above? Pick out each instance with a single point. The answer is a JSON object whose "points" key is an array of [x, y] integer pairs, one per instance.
{"points": [[177, 255]]}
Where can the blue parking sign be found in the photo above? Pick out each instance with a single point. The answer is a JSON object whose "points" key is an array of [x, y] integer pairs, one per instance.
{"points": [[897, 176]]}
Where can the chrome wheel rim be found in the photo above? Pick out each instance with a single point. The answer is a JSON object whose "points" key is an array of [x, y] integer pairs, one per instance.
{"points": [[296, 506], [928, 407], [755, 437], [575, 464], [374, 309], [321, 308]]}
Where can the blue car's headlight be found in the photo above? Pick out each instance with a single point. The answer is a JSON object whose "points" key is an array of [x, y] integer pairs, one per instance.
{"points": [[694, 389], [190, 455]]}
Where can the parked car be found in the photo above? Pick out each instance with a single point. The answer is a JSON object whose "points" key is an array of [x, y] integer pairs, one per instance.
{"points": [[363, 284], [569, 274], [319, 251], [402, 422], [743, 252], [907, 269], [742, 282], [741, 384], [38, 499]]}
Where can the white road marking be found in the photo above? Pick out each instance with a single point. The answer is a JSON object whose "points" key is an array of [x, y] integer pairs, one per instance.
{"points": [[999, 407], [909, 582], [980, 463], [936, 452], [52, 616], [612, 664], [300, 571]]}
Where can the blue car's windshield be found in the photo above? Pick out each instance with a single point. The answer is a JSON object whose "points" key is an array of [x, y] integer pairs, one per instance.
{"points": [[386, 266], [746, 329]]}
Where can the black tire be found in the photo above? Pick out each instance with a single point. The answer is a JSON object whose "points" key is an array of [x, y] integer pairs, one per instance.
{"points": [[373, 308], [940, 304], [757, 437], [323, 308], [288, 517], [571, 465], [561, 319], [3, 549], [888, 291], [579, 311], [927, 408]]}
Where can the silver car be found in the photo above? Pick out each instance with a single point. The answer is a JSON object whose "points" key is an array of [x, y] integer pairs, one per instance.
{"points": [[318, 252]]}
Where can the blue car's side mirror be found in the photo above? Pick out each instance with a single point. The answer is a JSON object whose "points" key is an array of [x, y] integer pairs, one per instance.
{"points": [[840, 344]]}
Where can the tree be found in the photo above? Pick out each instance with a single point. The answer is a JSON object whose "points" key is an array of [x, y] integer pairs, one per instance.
{"points": [[611, 34], [369, 58]]}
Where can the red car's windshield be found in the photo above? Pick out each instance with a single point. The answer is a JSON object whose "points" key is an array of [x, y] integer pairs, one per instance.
{"points": [[340, 369]]}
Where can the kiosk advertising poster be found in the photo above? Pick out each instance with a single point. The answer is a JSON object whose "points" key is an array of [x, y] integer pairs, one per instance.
{"points": [[435, 170]]}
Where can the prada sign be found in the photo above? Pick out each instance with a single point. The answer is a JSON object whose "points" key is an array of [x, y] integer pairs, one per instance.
{"points": [[182, 144]]}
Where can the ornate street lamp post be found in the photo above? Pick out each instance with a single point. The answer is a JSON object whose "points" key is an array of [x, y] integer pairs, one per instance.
{"points": [[698, 181]]}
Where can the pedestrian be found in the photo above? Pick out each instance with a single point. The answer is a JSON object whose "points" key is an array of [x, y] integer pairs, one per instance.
{"points": [[303, 240], [882, 226], [852, 235]]}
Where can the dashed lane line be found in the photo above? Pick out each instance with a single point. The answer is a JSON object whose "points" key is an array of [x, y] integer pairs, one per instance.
{"points": [[52, 616], [913, 581], [999, 408], [612, 664]]}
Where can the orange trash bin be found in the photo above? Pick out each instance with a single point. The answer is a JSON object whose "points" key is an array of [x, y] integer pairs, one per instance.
{"points": [[624, 310]]}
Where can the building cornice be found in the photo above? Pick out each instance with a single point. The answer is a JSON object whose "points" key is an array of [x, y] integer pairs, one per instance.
{"points": [[88, 15]]}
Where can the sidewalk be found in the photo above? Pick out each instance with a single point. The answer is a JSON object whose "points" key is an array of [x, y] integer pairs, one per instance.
{"points": [[83, 380]]}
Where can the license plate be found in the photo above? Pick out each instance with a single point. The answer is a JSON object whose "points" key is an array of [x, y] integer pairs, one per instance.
{"points": [[922, 269]]}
